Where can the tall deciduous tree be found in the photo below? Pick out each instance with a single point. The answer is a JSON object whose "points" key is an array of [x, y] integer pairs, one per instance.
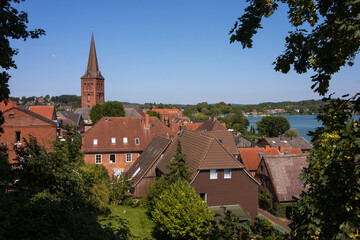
{"points": [[330, 209], [12, 26], [106, 109], [272, 126]]}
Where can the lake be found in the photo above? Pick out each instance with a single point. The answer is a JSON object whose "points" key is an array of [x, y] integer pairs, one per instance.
{"points": [[302, 123]]}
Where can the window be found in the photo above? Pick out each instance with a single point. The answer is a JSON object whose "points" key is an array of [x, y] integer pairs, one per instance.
{"points": [[137, 141], [125, 140], [11, 115], [213, 174], [17, 136], [227, 173], [113, 140], [95, 142], [152, 125], [88, 97], [203, 196], [112, 158], [98, 159], [128, 157], [221, 141]]}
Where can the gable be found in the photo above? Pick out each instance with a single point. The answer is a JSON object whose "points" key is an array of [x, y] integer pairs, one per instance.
{"points": [[24, 118]]}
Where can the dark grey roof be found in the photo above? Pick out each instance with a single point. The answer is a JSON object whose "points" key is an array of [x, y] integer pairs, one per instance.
{"points": [[243, 142], [84, 112], [147, 158], [74, 117], [293, 142]]}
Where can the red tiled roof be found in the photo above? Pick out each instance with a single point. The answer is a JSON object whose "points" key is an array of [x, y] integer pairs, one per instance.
{"points": [[251, 158], [124, 127], [4, 107], [45, 111]]}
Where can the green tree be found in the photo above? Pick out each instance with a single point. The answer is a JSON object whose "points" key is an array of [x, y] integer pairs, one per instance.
{"points": [[154, 114], [331, 40], [272, 126], [179, 169], [106, 109], [12, 26], [179, 213], [119, 186], [291, 133]]}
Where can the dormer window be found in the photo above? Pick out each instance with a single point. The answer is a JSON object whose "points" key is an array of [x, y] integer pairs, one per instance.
{"points": [[137, 141], [113, 140], [125, 140], [95, 142]]}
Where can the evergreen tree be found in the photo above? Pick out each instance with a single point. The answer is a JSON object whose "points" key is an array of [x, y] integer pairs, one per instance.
{"points": [[178, 166]]}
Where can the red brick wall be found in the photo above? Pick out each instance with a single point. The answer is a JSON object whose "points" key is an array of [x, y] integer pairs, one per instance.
{"points": [[94, 87], [23, 122], [119, 164], [240, 189]]}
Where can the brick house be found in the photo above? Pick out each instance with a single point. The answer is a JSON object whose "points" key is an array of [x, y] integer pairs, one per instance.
{"points": [[216, 175], [20, 123], [116, 142]]}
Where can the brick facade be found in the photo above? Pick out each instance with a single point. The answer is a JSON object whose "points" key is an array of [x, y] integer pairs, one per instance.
{"points": [[20, 124]]}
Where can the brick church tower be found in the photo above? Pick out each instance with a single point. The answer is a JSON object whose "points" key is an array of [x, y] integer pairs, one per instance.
{"points": [[92, 82]]}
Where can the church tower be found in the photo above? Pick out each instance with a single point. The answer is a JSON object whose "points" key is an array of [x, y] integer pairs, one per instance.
{"points": [[92, 82]]}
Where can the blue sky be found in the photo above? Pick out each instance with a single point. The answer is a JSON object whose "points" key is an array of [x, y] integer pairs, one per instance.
{"points": [[159, 51]]}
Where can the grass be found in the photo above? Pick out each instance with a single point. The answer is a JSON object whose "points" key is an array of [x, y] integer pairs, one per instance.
{"points": [[138, 222]]}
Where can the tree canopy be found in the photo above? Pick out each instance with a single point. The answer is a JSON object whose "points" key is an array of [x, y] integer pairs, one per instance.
{"points": [[273, 126], [179, 169], [106, 109], [330, 208]]}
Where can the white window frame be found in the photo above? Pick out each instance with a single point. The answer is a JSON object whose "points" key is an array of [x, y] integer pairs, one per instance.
{"points": [[98, 159], [113, 140], [110, 158], [137, 141], [213, 174], [227, 173], [128, 156], [125, 140], [95, 142]]}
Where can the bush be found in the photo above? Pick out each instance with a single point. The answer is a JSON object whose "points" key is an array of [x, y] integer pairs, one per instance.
{"points": [[280, 232]]}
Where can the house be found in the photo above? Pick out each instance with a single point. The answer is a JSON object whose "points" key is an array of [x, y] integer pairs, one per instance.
{"points": [[45, 111], [226, 138], [293, 142], [69, 118], [143, 171], [116, 142], [20, 123], [243, 142], [212, 125], [217, 176], [251, 157], [280, 175]]}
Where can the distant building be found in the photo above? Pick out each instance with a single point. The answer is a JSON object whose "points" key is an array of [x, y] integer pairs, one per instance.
{"points": [[20, 123], [293, 142], [92, 82], [116, 142]]}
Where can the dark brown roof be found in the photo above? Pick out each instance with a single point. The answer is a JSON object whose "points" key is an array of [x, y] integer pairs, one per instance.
{"points": [[201, 152], [284, 172], [226, 138], [147, 159], [211, 125], [293, 142], [120, 127], [92, 70]]}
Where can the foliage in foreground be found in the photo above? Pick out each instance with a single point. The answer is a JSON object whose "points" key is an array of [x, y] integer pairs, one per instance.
{"points": [[54, 196], [331, 207], [179, 213]]}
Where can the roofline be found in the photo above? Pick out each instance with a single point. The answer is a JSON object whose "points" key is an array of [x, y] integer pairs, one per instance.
{"points": [[33, 114], [151, 165]]}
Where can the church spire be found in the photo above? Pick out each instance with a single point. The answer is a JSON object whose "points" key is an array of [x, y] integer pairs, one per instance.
{"points": [[92, 67]]}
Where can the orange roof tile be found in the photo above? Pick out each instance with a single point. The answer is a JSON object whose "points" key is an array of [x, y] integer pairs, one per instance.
{"points": [[45, 111], [251, 157]]}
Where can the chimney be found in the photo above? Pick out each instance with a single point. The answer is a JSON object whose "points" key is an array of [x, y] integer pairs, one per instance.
{"points": [[147, 121], [281, 149], [292, 138], [267, 147]]}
